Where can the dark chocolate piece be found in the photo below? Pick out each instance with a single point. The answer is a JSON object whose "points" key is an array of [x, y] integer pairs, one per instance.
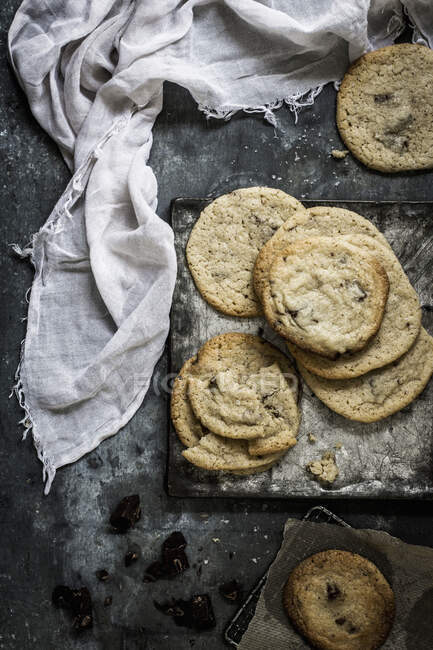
{"points": [[78, 602], [102, 575], [173, 560], [131, 557], [332, 591], [232, 591], [126, 514], [196, 613]]}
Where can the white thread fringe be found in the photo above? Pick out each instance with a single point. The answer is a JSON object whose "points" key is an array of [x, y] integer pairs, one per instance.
{"points": [[54, 225], [48, 469], [295, 103]]}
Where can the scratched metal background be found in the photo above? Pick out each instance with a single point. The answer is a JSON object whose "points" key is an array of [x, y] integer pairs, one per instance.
{"points": [[391, 458]]}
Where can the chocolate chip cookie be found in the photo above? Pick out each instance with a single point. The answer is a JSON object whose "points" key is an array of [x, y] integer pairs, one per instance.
{"points": [[384, 108], [340, 601], [325, 295], [381, 392], [225, 241]]}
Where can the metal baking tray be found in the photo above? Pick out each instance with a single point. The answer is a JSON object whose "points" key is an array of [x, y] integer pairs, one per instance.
{"points": [[239, 623], [387, 459]]}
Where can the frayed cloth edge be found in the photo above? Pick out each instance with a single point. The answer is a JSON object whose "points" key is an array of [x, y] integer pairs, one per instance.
{"points": [[48, 468], [53, 224], [294, 102]]}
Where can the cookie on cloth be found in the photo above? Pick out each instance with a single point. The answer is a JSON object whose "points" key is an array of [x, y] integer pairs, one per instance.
{"points": [[397, 333], [381, 392], [224, 243], [340, 601], [325, 295], [384, 108]]}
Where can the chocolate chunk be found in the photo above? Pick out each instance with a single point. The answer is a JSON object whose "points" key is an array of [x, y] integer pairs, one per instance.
{"points": [[131, 557], [232, 591], [126, 514], [380, 99], [102, 575], [107, 601], [173, 560], [332, 591], [196, 613], [78, 602], [340, 621]]}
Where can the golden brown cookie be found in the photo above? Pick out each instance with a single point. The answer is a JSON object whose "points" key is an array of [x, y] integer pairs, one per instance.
{"points": [[397, 332], [190, 431], [340, 601], [225, 241], [384, 108], [325, 295], [381, 392], [320, 221]]}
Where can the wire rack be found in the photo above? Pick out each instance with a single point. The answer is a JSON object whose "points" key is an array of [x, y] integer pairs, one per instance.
{"points": [[239, 624]]}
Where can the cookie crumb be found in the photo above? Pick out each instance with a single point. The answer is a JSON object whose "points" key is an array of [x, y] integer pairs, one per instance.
{"points": [[338, 445], [312, 438], [324, 470], [339, 154]]}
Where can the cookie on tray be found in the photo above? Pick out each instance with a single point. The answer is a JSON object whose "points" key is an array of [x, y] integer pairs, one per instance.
{"points": [[340, 601], [190, 431], [271, 376], [325, 295], [216, 453], [381, 392], [397, 333], [384, 108], [320, 221], [224, 243]]}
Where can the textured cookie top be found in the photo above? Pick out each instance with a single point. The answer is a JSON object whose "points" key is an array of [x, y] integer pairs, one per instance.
{"points": [[241, 359], [225, 241], [385, 108], [314, 222], [233, 455], [248, 354], [399, 328], [325, 295], [381, 392], [238, 405], [340, 601], [216, 453]]}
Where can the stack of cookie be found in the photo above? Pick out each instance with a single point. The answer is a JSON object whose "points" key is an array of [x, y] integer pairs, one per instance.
{"points": [[234, 405], [331, 285], [327, 281]]}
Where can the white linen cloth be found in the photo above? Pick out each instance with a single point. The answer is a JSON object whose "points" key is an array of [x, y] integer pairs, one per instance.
{"points": [[105, 267]]}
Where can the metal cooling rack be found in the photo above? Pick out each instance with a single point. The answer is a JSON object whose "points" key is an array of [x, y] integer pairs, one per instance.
{"points": [[239, 624]]}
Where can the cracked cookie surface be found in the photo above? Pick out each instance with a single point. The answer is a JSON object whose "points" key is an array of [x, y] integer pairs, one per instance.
{"points": [[384, 108], [325, 295], [214, 453], [381, 392], [319, 221], [340, 601], [260, 378], [399, 328], [224, 243]]}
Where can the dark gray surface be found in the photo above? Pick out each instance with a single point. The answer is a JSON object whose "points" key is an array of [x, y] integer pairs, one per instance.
{"points": [[387, 459], [63, 538]]}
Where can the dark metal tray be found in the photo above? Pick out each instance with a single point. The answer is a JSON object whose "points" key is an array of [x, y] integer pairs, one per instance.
{"points": [[387, 459]]}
